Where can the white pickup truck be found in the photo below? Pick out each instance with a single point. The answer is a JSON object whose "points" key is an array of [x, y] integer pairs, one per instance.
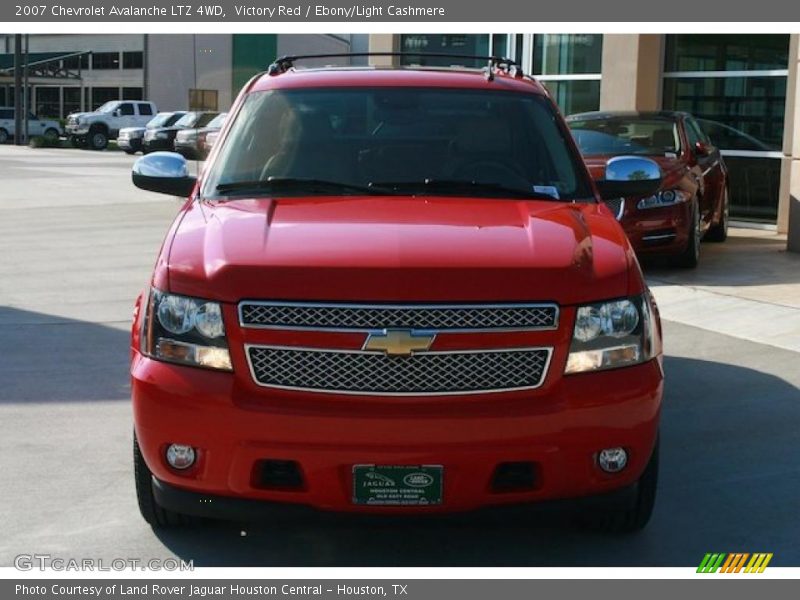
{"points": [[36, 126], [94, 129]]}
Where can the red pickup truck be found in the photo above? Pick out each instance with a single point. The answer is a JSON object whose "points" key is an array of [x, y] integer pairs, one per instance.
{"points": [[395, 291]]}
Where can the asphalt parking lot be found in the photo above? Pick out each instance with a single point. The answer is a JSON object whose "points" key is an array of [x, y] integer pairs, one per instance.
{"points": [[78, 242]]}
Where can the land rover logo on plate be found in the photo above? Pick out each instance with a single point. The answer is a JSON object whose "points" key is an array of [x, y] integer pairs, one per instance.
{"points": [[398, 342], [418, 480]]}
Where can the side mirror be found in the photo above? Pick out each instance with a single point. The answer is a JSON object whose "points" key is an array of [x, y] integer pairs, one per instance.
{"points": [[163, 172], [629, 176], [702, 149], [117, 112]]}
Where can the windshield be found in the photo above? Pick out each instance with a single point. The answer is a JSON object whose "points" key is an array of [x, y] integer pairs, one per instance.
{"points": [[108, 106], [159, 120], [626, 135], [186, 120], [397, 140], [218, 121]]}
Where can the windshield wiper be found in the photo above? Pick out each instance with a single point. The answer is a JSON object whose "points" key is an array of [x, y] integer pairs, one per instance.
{"points": [[458, 186], [300, 184]]}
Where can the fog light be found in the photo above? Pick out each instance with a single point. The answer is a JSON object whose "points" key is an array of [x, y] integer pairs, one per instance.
{"points": [[180, 456], [612, 460]]}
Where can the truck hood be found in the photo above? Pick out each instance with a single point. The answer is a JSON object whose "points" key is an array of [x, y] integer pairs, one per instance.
{"points": [[397, 249]]}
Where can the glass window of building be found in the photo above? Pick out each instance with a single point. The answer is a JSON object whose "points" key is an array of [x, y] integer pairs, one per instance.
{"points": [[72, 100], [105, 60], [74, 63], [569, 65], [736, 87], [735, 52], [101, 95], [454, 43], [567, 54], [47, 102], [203, 99], [132, 93], [132, 60]]}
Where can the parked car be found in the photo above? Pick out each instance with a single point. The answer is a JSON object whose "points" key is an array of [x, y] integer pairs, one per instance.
{"points": [[130, 138], [692, 202], [395, 291], [163, 138], [195, 144], [44, 127], [94, 129]]}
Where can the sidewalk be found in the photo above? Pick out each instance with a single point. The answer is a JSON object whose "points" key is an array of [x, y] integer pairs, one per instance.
{"points": [[747, 287]]}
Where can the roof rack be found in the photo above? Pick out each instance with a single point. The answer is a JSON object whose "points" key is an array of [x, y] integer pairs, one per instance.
{"points": [[284, 63]]}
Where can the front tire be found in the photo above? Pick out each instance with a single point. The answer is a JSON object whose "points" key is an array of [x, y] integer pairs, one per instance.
{"points": [[635, 518], [690, 257], [98, 139], [719, 231], [154, 514], [4, 137], [51, 135]]}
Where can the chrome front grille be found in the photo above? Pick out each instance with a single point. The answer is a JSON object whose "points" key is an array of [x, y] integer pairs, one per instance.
{"points": [[375, 373], [366, 317]]}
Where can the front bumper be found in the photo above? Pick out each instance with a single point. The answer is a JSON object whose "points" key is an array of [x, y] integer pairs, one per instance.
{"points": [[659, 231], [157, 144], [76, 129], [130, 143], [188, 150], [560, 431]]}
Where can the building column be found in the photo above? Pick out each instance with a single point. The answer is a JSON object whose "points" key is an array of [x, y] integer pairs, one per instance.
{"points": [[383, 42], [789, 198], [632, 68]]}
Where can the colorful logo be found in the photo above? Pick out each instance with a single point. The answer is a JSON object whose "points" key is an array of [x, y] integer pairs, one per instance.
{"points": [[734, 562]]}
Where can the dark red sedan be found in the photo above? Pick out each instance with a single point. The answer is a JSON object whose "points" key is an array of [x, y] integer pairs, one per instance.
{"points": [[692, 203]]}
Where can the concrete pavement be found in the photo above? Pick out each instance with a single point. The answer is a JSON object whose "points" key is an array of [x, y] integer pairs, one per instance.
{"points": [[747, 287]]}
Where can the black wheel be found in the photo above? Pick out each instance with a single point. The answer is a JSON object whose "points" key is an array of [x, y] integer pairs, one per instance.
{"points": [[719, 231], [690, 257], [98, 139], [51, 135], [635, 518], [4, 137], [154, 514]]}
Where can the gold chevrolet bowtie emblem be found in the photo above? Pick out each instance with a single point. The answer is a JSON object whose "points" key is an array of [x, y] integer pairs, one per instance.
{"points": [[398, 342]]}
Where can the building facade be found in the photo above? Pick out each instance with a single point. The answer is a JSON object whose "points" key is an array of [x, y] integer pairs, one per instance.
{"points": [[742, 87], [176, 71]]}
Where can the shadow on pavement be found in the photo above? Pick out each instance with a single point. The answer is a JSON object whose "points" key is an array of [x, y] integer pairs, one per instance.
{"points": [[52, 359], [739, 261], [729, 482]]}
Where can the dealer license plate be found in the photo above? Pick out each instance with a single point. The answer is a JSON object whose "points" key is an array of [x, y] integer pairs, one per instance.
{"points": [[387, 485]]}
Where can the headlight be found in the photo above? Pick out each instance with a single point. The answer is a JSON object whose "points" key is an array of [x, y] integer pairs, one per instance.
{"points": [[185, 330], [665, 198], [612, 334]]}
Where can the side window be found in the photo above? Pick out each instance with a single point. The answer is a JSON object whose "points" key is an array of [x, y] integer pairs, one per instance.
{"points": [[145, 109], [126, 109], [6, 113], [695, 133]]}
